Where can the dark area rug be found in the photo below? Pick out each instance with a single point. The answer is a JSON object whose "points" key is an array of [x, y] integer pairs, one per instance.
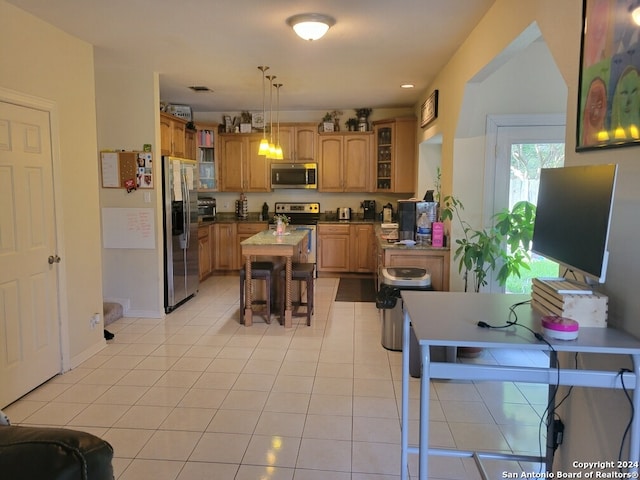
{"points": [[356, 290]]}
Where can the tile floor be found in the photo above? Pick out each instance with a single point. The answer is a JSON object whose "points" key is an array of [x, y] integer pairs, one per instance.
{"points": [[198, 396]]}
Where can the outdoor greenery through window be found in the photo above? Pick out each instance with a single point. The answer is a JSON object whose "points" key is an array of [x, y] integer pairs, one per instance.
{"points": [[526, 161]]}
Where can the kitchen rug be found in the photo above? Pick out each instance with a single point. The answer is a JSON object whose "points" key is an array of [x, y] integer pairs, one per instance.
{"points": [[356, 290]]}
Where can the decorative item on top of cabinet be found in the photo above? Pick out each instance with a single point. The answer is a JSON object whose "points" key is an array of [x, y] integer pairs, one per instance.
{"points": [[363, 119], [206, 156], [395, 155]]}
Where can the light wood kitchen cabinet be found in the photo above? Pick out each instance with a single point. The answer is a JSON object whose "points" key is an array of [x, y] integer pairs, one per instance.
{"points": [[363, 252], [190, 144], [344, 247], [333, 247], [343, 161], [172, 135], [225, 248], [298, 142], [204, 250], [435, 261], [394, 166], [244, 231], [241, 168]]}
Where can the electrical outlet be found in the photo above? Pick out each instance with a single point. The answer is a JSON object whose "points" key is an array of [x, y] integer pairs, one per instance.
{"points": [[94, 321]]}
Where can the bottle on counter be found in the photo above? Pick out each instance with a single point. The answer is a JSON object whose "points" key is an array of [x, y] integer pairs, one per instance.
{"points": [[423, 230]]}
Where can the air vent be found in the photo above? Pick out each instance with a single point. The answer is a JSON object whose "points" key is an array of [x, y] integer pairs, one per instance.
{"points": [[200, 88]]}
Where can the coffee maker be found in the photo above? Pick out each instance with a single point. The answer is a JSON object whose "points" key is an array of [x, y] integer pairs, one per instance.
{"points": [[369, 208]]}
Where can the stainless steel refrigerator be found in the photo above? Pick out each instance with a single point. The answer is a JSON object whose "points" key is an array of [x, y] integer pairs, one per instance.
{"points": [[180, 200]]}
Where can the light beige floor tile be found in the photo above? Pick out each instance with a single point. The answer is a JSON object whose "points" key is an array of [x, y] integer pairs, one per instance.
{"points": [[220, 447], [98, 415], [327, 427], [302, 474], [170, 445], [156, 362], [163, 396], [478, 436], [287, 402], [127, 442], [218, 380], [324, 455], [121, 395], [254, 381], [142, 469], [245, 400], [293, 384], [380, 430], [141, 378], [272, 450], [366, 387], [331, 405], [335, 370], [203, 398], [252, 472], [177, 379], [375, 458], [234, 421], [143, 416], [375, 407], [208, 471], [280, 424], [82, 393], [333, 386], [188, 419], [466, 412], [54, 413], [227, 365]]}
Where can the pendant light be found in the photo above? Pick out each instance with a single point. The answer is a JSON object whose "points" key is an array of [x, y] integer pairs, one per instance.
{"points": [[264, 143], [278, 151], [272, 147]]}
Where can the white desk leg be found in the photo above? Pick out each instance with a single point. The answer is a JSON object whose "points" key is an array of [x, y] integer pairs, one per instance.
{"points": [[634, 443], [425, 380], [404, 439]]}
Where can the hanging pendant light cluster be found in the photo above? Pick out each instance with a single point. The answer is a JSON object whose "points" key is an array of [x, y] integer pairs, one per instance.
{"points": [[264, 143], [269, 148]]}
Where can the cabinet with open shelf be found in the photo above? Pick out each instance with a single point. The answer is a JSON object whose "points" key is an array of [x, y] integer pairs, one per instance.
{"points": [[206, 156]]}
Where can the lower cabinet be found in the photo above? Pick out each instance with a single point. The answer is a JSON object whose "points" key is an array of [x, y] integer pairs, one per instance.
{"points": [[344, 247], [224, 238], [204, 250], [246, 230], [435, 261]]}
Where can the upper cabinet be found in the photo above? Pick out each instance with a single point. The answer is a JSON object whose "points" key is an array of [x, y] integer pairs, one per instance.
{"points": [[343, 162], [395, 155], [206, 137], [172, 135], [241, 168], [298, 142]]}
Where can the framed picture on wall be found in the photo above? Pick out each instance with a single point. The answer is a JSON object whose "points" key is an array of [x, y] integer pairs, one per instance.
{"points": [[429, 111], [609, 80]]}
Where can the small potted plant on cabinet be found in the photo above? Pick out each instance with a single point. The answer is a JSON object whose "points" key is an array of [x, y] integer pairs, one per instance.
{"points": [[327, 123], [351, 124], [363, 119]]}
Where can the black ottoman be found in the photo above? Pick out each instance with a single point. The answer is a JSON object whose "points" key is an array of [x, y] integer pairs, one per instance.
{"points": [[53, 454]]}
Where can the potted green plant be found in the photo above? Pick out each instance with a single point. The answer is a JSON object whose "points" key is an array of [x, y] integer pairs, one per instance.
{"points": [[480, 251], [351, 124]]}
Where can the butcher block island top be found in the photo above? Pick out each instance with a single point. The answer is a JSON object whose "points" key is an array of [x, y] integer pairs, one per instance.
{"points": [[267, 243]]}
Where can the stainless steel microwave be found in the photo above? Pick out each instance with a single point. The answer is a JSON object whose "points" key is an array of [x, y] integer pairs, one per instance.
{"points": [[294, 175]]}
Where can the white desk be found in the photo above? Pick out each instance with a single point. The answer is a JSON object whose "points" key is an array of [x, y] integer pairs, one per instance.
{"points": [[448, 319]]}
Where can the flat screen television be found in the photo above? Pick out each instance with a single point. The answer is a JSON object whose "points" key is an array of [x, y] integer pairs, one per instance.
{"points": [[573, 216]]}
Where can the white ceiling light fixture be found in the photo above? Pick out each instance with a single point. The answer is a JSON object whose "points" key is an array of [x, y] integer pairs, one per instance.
{"points": [[635, 14], [311, 26]]}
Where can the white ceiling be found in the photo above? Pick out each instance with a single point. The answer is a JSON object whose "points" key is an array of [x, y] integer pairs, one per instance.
{"points": [[374, 47]]}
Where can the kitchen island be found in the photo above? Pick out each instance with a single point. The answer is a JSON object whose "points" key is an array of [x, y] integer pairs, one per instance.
{"points": [[267, 243]]}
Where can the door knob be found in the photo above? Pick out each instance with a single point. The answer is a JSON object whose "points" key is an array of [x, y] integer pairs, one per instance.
{"points": [[53, 259]]}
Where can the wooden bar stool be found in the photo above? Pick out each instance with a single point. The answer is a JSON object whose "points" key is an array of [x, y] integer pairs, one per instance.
{"points": [[302, 272], [259, 271]]}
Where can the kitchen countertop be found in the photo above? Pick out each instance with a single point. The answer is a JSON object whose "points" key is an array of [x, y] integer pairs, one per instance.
{"points": [[230, 217], [384, 244]]}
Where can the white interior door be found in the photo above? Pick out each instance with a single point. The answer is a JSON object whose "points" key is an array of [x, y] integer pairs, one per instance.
{"points": [[30, 351]]}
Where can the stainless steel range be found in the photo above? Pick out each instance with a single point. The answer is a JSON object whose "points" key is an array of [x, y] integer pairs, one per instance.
{"points": [[303, 215]]}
